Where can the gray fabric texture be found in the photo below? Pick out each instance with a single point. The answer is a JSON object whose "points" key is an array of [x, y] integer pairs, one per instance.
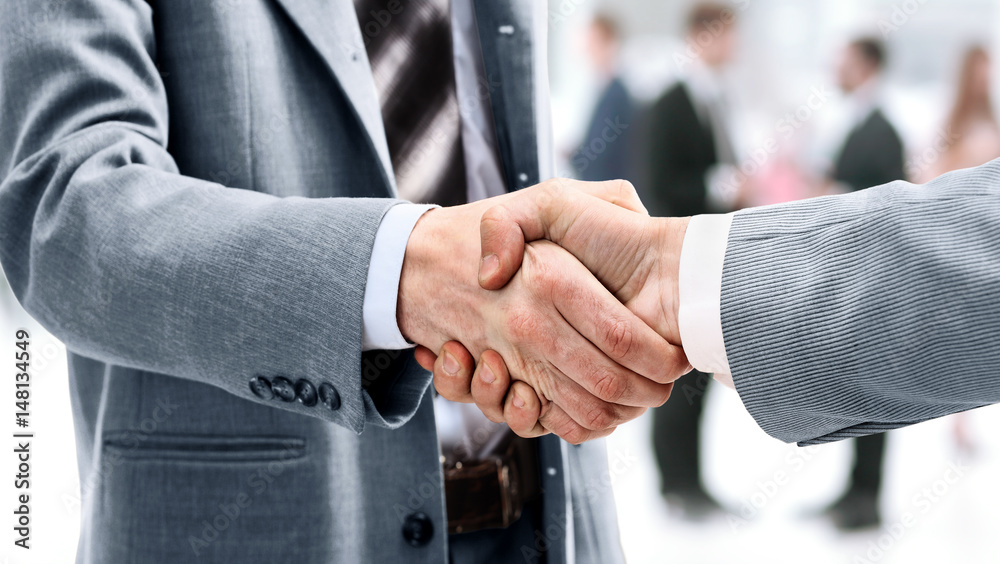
{"points": [[850, 315], [190, 196]]}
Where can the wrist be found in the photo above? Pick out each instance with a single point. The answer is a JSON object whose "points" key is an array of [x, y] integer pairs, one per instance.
{"points": [[671, 233], [438, 286], [417, 262]]}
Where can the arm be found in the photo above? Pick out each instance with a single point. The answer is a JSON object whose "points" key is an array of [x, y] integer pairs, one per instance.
{"points": [[132, 263], [842, 316], [890, 294], [592, 362]]}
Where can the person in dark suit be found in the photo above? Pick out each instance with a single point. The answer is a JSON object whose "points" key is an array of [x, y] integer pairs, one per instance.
{"points": [[606, 152], [688, 141], [871, 155]]}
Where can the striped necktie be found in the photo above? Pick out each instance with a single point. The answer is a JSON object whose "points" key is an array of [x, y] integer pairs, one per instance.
{"points": [[409, 46]]}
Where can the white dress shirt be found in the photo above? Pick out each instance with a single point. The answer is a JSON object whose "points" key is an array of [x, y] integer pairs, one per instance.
{"points": [[699, 284], [702, 254]]}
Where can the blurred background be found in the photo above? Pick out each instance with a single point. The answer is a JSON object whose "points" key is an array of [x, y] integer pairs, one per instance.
{"points": [[712, 107]]}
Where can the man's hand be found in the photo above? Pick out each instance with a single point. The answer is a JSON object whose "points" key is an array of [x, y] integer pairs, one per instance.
{"points": [[636, 257], [592, 363]]}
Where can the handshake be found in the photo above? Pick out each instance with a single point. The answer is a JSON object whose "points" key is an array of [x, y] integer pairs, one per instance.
{"points": [[567, 295]]}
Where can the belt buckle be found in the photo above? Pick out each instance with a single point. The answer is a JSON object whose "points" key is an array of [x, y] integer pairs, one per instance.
{"points": [[491, 493]]}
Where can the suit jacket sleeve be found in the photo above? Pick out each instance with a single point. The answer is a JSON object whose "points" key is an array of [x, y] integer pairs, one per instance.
{"points": [[856, 314], [129, 262]]}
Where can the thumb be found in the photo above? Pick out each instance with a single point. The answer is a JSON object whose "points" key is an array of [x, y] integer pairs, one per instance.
{"points": [[503, 247], [545, 211]]}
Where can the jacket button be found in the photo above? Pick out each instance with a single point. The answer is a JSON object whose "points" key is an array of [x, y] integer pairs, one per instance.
{"points": [[418, 529], [283, 388], [329, 396], [305, 392], [261, 388]]}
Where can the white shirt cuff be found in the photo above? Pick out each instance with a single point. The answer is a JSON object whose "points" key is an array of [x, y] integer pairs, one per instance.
{"points": [[380, 330], [700, 286]]}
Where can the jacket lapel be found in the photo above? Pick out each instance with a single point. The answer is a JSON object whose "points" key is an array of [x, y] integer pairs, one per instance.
{"points": [[331, 26]]}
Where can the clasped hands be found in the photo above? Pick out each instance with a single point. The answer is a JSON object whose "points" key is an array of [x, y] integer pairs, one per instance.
{"points": [[565, 292]]}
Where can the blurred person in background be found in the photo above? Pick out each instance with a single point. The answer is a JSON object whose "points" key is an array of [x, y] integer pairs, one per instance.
{"points": [[871, 155], [605, 153], [688, 141], [970, 138]]}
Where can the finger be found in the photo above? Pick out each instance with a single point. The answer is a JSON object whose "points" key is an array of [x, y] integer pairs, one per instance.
{"points": [[490, 384], [594, 333], [503, 247], [618, 333], [586, 409], [607, 381], [551, 336], [545, 211], [521, 411], [557, 421], [453, 373], [425, 358], [618, 192]]}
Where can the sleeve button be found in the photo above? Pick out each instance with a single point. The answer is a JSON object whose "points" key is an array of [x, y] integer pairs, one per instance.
{"points": [[305, 393], [329, 396], [284, 389], [261, 388]]}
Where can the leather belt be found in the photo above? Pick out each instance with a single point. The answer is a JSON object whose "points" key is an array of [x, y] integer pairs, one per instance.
{"points": [[491, 493]]}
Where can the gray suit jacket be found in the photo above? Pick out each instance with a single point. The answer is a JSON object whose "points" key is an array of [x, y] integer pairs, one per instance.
{"points": [[190, 197], [851, 315]]}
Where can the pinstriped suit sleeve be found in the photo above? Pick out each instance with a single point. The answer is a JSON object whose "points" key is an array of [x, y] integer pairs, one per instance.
{"points": [[850, 315], [130, 262]]}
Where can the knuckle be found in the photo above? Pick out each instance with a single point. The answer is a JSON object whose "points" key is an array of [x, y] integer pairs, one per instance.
{"points": [[610, 386], [619, 338], [493, 216], [540, 276], [676, 366], [625, 190], [553, 189], [600, 417]]}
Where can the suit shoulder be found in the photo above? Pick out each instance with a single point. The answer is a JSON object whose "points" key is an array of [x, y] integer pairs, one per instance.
{"points": [[674, 99], [618, 94], [879, 124]]}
